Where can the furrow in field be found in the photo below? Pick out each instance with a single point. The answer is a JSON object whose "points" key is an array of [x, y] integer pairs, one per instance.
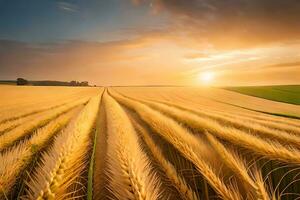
{"points": [[185, 142], [168, 168], [130, 174], [244, 102], [242, 112], [278, 125], [240, 121], [185, 168], [204, 100], [58, 176], [15, 159], [267, 148], [13, 117], [99, 178], [265, 118], [13, 123], [241, 125], [20, 101], [23, 115], [205, 104], [8, 138]]}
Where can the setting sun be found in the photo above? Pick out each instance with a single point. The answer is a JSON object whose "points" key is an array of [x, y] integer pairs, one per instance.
{"points": [[206, 77]]}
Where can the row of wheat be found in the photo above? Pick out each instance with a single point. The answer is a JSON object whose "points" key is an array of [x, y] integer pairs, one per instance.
{"points": [[25, 143], [115, 146], [190, 132], [9, 137]]}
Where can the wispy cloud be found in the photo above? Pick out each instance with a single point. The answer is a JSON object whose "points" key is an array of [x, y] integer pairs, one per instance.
{"points": [[68, 7], [286, 64], [146, 60], [233, 23]]}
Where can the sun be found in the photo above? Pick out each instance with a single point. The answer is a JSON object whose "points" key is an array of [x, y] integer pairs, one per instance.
{"points": [[206, 77]]}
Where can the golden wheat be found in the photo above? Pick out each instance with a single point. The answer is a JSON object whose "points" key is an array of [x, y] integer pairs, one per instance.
{"points": [[18, 102], [182, 140], [271, 149], [253, 116], [204, 103], [251, 127], [238, 166], [14, 122], [10, 137], [178, 181], [129, 168], [46, 150], [64, 162], [10, 165], [271, 128], [17, 157]]}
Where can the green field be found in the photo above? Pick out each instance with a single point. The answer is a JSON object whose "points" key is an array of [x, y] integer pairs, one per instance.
{"points": [[285, 93]]}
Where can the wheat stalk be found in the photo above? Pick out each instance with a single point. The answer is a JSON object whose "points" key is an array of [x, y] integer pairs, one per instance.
{"points": [[184, 101], [10, 137], [276, 130], [10, 166], [269, 118], [128, 166], [261, 189], [238, 166], [10, 124], [253, 127], [178, 181], [182, 140], [63, 163], [34, 102], [270, 149], [16, 158]]}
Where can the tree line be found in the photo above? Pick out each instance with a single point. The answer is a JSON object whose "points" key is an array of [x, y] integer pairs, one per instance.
{"points": [[22, 81]]}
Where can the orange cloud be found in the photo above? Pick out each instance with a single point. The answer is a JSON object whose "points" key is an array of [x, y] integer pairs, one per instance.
{"points": [[232, 24], [152, 57]]}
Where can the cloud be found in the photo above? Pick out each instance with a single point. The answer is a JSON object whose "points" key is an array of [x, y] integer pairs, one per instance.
{"points": [[286, 64], [62, 60], [66, 6], [142, 60], [196, 55], [230, 24], [148, 59]]}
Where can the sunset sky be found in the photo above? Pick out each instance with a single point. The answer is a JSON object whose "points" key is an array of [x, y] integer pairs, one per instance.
{"points": [[149, 42]]}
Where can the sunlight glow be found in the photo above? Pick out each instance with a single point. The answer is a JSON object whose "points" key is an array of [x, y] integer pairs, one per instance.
{"points": [[206, 77]]}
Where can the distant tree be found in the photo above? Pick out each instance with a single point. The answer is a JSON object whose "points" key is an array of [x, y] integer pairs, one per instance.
{"points": [[77, 83], [73, 83], [84, 83], [21, 81]]}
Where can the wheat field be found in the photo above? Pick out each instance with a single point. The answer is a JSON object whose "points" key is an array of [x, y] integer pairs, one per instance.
{"points": [[146, 143]]}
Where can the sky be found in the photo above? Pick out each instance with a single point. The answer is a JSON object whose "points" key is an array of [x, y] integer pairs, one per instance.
{"points": [[151, 42]]}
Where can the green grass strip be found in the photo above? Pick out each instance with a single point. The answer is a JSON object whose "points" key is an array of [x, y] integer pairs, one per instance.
{"points": [[91, 170], [285, 94]]}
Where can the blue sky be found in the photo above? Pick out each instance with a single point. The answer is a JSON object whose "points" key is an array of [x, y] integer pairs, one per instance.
{"points": [[92, 20]]}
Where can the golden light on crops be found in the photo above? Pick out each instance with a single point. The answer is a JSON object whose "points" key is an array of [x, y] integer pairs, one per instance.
{"points": [[127, 117]]}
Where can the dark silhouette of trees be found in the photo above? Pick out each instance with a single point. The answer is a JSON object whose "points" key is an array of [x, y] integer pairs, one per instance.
{"points": [[77, 83], [22, 81], [84, 83]]}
